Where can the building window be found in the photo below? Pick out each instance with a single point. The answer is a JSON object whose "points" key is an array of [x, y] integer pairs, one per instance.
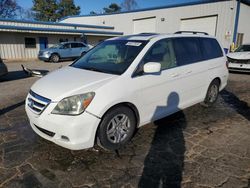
{"points": [[30, 43]]}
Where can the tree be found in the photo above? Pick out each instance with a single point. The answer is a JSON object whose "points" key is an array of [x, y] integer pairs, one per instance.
{"points": [[45, 10], [8, 8], [112, 8], [68, 8], [52, 10], [128, 5]]}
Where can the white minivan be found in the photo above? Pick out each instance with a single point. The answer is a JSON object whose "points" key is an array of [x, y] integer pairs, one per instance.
{"points": [[124, 83]]}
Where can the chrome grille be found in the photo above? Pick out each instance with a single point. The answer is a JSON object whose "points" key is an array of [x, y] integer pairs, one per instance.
{"points": [[37, 103], [241, 61]]}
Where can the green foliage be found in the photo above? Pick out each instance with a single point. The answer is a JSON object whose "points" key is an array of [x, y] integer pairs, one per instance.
{"points": [[45, 10], [112, 8], [67, 8], [8, 8], [52, 10]]}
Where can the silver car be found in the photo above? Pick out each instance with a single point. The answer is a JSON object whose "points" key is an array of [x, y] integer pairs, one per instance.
{"points": [[65, 50], [3, 68]]}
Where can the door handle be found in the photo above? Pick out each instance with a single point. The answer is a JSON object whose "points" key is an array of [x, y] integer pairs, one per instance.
{"points": [[188, 72], [175, 75]]}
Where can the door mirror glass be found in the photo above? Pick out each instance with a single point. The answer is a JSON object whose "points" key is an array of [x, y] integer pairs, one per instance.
{"points": [[152, 67]]}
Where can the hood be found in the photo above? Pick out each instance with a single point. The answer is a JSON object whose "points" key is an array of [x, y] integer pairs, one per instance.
{"points": [[239, 55], [48, 50], [69, 81]]}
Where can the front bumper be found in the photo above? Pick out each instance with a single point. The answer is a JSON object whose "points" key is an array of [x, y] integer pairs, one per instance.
{"points": [[72, 132], [44, 57], [239, 67]]}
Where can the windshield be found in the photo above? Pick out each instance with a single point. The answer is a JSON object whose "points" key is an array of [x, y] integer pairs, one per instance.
{"points": [[113, 57], [56, 46], [243, 48]]}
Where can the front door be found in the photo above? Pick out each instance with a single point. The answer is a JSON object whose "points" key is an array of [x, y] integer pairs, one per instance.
{"points": [[162, 93], [66, 51], [43, 41]]}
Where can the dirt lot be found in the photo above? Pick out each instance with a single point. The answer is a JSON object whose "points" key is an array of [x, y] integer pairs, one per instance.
{"points": [[198, 147]]}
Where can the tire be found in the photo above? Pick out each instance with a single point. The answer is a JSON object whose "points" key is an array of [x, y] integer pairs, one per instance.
{"points": [[83, 53], [212, 93], [54, 58], [116, 128]]}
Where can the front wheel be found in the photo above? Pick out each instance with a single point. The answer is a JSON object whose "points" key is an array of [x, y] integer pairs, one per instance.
{"points": [[212, 93], [54, 58], [117, 128]]}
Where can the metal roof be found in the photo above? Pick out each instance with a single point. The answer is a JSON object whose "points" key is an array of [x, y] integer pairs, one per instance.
{"points": [[56, 23], [154, 8], [56, 30]]}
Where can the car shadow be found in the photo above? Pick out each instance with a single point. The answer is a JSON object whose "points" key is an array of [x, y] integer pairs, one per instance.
{"points": [[163, 164], [240, 106], [14, 75], [10, 108]]}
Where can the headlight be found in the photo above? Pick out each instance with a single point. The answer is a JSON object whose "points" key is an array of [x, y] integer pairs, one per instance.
{"points": [[47, 53], [74, 105]]}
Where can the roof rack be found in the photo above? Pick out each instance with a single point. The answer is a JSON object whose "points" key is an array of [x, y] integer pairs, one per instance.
{"points": [[194, 32], [147, 34]]}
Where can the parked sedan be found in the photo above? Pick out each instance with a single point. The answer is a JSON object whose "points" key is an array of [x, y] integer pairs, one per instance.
{"points": [[3, 68], [65, 50], [239, 60]]}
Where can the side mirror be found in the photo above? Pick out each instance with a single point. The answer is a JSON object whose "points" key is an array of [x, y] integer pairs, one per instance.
{"points": [[152, 67]]}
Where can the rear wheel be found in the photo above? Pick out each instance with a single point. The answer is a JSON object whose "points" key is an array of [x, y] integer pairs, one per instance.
{"points": [[117, 128], [212, 93], [54, 58]]}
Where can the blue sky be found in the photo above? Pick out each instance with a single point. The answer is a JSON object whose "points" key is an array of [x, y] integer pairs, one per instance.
{"points": [[97, 5]]}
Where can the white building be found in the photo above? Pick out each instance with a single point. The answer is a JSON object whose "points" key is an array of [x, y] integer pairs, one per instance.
{"points": [[21, 40], [227, 20]]}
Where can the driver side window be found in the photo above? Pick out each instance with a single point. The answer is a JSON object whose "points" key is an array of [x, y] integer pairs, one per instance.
{"points": [[162, 52]]}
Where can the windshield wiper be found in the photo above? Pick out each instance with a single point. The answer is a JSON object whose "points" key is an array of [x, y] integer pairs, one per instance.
{"points": [[93, 69]]}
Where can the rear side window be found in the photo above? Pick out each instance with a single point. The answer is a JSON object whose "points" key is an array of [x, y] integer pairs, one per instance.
{"points": [[187, 50], [77, 45], [210, 48]]}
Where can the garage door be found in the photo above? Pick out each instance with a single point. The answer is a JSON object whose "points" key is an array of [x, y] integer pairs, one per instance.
{"points": [[205, 24], [144, 25]]}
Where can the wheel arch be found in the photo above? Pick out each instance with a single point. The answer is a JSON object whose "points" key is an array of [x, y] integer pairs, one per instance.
{"points": [[127, 104], [218, 79], [55, 53]]}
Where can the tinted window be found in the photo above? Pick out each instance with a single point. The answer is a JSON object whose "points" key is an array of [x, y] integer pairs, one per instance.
{"points": [[77, 45], [210, 48], [161, 52], [30, 43], [187, 50]]}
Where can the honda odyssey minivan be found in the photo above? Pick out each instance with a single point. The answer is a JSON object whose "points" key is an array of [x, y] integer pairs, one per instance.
{"points": [[124, 83]]}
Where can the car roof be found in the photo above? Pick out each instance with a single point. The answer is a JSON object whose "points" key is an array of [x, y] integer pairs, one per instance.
{"points": [[149, 36]]}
